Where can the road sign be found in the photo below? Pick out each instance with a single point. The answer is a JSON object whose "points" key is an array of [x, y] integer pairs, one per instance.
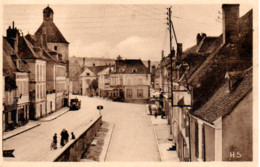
{"points": [[8, 153], [100, 107]]}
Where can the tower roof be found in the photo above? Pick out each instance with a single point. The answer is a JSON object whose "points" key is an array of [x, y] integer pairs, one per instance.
{"points": [[48, 10], [53, 33]]}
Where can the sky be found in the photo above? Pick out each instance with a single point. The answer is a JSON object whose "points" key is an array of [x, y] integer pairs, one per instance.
{"points": [[132, 31]]}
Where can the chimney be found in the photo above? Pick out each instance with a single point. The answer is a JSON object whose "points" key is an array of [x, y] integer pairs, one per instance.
{"points": [[199, 38], [84, 61], [149, 66], [230, 25], [179, 49], [13, 33]]}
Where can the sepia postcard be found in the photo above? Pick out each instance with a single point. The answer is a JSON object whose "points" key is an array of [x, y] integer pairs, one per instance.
{"points": [[129, 83]]}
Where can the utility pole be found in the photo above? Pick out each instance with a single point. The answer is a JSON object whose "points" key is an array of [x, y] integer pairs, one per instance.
{"points": [[169, 23]]}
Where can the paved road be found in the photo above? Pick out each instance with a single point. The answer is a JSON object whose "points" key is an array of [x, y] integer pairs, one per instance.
{"points": [[132, 139], [34, 145]]}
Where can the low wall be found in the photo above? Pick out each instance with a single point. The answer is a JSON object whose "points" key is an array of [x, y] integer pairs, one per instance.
{"points": [[80, 145]]}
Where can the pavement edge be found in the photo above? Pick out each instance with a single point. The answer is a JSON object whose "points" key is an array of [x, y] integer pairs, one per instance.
{"points": [[156, 138]]}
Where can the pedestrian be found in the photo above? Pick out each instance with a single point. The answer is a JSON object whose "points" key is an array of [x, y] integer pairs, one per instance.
{"points": [[54, 142], [62, 138], [72, 136], [155, 114], [150, 109], [66, 136]]}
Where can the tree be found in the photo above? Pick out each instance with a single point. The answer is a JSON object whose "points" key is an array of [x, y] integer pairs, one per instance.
{"points": [[94, 84]]}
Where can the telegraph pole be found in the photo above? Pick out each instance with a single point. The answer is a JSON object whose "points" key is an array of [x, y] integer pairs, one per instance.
{"points": [[169, 23]]}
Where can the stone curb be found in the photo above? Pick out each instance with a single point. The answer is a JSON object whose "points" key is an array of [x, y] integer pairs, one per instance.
{"points": [[103, 157], [156, 138], [55, 117]]}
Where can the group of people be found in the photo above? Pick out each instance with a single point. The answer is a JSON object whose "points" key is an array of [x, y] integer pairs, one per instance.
{"points": [[159, 111], [64, 139]]}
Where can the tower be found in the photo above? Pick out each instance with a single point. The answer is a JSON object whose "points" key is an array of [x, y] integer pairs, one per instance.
{"points": [[48, 14]]}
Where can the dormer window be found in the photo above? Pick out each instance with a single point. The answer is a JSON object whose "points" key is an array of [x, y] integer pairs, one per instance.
{"points": [[134, 70], [55, 47]]}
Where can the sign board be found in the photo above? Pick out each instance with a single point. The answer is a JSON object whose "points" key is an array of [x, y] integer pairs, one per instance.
{"points": [[8, 153], [100, 107]]}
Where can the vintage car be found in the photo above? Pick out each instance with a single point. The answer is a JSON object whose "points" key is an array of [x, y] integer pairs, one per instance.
{"points": [[75, 104]]}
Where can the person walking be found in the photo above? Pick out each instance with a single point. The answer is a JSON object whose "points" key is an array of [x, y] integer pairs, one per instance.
{"points": [[62, 138], [72, 136], [150, 109], [54, 142], [66, 136]]}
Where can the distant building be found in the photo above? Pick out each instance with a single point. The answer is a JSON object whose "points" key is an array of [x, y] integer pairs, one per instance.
{"points": [[104, 82], [131, 80], [88, 76], [74, 72]]}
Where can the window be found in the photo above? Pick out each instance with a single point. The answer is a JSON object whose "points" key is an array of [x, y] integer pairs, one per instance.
{"points": [[37, 91], [134, 70], [121, 80], [40, 90], [140, 93], [113, 81], [38, 72], [55, 47], [87, 74], [129, 93]]}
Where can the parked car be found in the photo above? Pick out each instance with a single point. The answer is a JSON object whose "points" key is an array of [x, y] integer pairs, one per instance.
{"points": [[75, 104], [119, 99]]}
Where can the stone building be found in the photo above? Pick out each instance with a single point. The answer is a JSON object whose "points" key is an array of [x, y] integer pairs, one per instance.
{"points": [[16, 92], [131, 80], [198, 74], [51, 40]]}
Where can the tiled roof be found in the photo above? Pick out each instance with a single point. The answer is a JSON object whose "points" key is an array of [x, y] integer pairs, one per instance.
{"points": [[53, 33], [97, 69], [11, 57], [225, 100], [131, 66], [8, 65]]}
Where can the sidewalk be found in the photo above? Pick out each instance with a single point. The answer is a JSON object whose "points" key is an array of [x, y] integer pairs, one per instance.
{"points": [[32, 124], [162, 134], [17, 131], [55, 115]]}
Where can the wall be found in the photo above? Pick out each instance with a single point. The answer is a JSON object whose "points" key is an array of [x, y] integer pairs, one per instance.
{"points": [[50, 77], [75, 150], [192, 138], [209, 143], [134, 93], [62, 48], [50, 98], [237, 132], [38, 111]]}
